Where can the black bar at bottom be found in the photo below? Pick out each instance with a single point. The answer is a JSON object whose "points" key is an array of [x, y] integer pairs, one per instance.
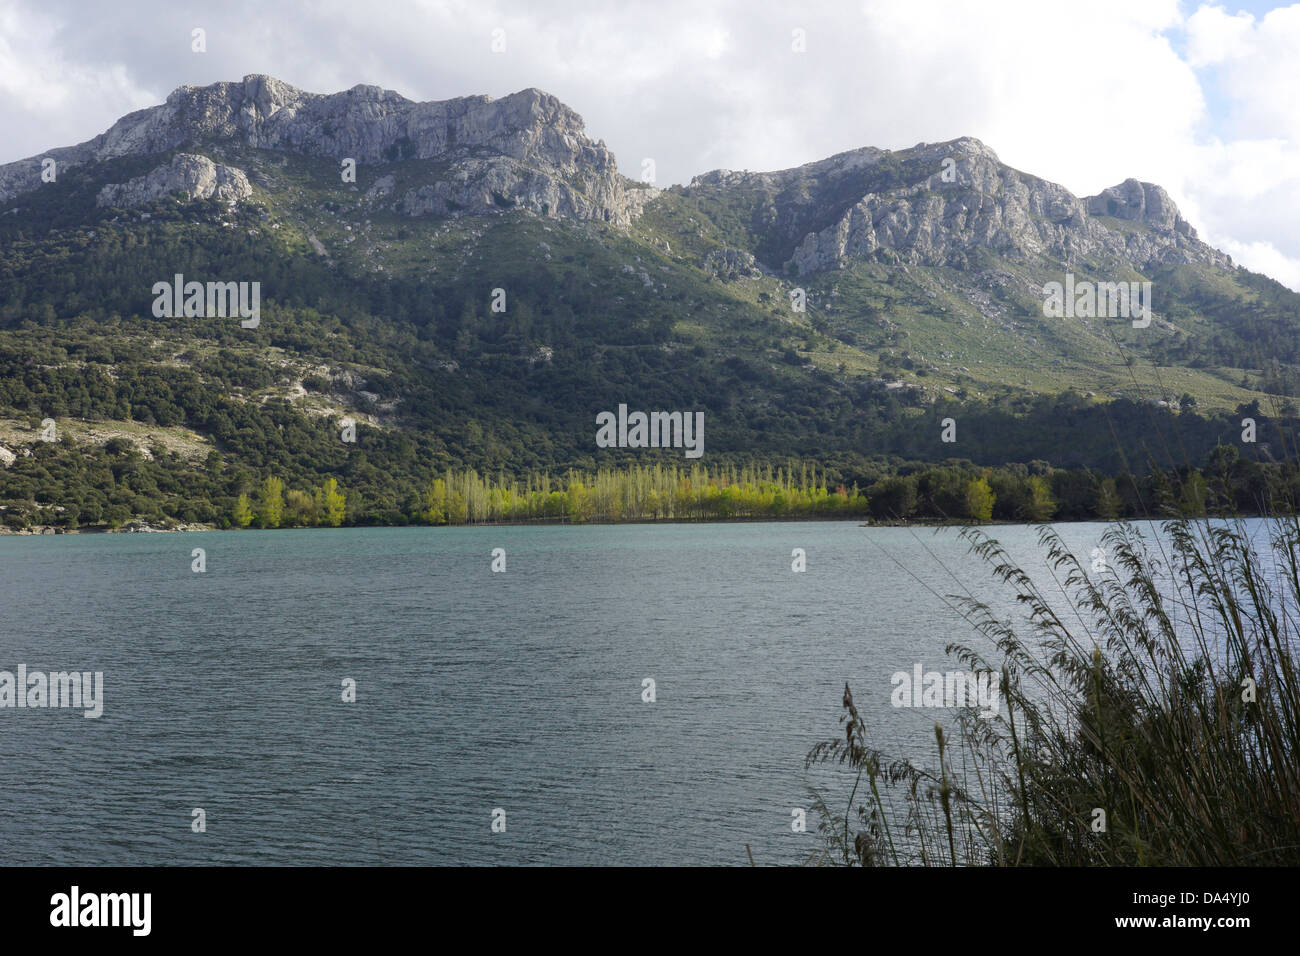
{"points": [[368, 905]]}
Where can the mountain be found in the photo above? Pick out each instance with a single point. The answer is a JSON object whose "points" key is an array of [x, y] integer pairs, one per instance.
{"points": [[877, 205], [473, 281], [527, 150]]}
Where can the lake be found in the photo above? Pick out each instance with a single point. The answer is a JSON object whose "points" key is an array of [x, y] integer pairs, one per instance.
{"points": [[475, 691]]}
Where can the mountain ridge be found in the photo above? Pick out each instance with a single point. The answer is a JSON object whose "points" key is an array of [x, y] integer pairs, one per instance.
{"points": [[530, 150], [535, 145]]}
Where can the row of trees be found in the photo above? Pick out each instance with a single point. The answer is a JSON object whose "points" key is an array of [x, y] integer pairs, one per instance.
{"points": [[1225, 483], [957, 491], [639, 493], [665, 493], [324, 506], [956, 494], [71, 485]]}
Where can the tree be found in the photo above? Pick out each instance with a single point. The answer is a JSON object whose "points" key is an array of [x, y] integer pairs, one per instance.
{"points": [[577, 501], [436, 502], [1193, 494], [1040, 506], [300, 510], [1108, 501], [943, 493], [893, 498], [979, 500], [243, 512], [331, 505], [270, 509]]}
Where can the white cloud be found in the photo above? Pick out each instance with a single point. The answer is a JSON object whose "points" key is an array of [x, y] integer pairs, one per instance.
{"points": [[1254, 64], [1246, 180], [1213, 36], [44, 96], [1262, 257]]}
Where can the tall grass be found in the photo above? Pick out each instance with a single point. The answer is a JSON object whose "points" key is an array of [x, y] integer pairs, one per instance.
{"points": [[1161, 691]]}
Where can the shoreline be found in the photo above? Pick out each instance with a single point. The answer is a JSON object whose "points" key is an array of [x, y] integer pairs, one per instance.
{"points": [[44, 530]]}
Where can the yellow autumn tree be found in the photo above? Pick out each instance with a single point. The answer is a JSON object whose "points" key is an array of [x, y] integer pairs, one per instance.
{"points": [[979, 501], [331, 506], [270, 506]]}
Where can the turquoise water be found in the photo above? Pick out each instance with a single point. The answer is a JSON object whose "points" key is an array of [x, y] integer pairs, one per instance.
{"points": [[475, 690]]}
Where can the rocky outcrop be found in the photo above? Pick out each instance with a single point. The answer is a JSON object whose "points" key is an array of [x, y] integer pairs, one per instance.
{"points": [[482, 186], [381, 188], [193, 176], [529, 147], [731, 264], [1140, 202]]}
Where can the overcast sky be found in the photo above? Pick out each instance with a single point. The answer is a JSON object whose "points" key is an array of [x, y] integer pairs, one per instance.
{"points": [[1202, 99]]}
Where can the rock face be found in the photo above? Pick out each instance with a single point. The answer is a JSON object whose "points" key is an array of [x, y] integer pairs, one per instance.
{"points": [[1140, 202], [528, 149], [482, 186], [730, 264], [196, 177], [382, 187], [939, 204]]}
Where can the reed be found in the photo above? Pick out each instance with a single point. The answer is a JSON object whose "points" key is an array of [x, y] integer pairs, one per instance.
{"points": [[1161, 691]]}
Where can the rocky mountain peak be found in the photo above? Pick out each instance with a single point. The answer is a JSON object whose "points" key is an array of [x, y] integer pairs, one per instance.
{"points": [[964, 146], [937, 203], [526, 150], [933, 203], [1140, 202]]}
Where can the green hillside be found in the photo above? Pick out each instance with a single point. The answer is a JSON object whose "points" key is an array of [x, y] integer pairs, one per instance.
{"points": [[389, 319]]}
